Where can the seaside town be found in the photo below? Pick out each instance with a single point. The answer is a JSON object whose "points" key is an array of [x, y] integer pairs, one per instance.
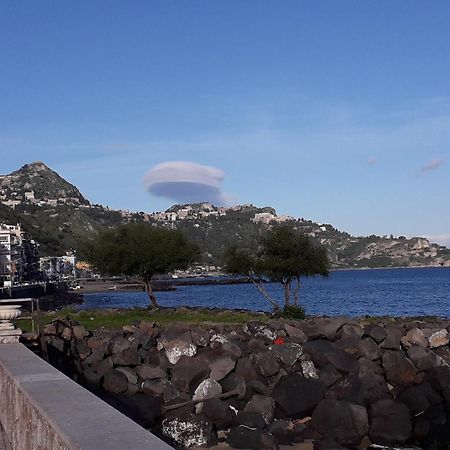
{"points": [[224, 225]]}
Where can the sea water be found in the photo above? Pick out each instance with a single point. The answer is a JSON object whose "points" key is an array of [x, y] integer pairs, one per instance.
{"points": [[393, 292]]}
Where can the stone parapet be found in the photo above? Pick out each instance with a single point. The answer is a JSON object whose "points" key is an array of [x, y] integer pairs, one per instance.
{"points": [[40, 408]]}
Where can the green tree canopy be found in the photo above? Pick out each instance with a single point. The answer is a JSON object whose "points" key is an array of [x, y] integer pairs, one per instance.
{"points": [[284, 257], [142, 251]]}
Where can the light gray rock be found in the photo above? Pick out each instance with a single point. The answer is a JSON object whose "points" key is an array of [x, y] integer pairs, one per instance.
{"points": [[309, 370], [439, 338], [414, 336]]}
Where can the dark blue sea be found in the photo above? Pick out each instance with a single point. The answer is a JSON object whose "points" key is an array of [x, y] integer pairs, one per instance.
{"points": [[394, 292]]}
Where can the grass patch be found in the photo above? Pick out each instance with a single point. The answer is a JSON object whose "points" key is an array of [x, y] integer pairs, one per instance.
{"points": [[115, 319]]}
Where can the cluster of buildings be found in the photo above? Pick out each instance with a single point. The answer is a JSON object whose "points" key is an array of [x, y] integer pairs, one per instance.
{"points": [[15, 199], [199, 211], [20, 263], [19, 260]]}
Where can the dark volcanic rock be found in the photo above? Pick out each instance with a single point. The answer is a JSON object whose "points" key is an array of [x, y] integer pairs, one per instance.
{"points": [[221, 367], [328, 375], [393, 338], [341, 421], [399, 370], [219, 412], [297, 396], [252, 419], [324, 327], [254, 439], [424, 358], [295, 332], [323, 352], [287, 353], [189, 372], [350, 331], [266, 364], [263, 405], [390, 422], [376, 332], [115, 382], [128, 357], [148, 372], [419, 398], [370, 349]]}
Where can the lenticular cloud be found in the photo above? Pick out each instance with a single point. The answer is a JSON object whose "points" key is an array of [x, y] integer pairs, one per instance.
{"points": [[186, 182]]}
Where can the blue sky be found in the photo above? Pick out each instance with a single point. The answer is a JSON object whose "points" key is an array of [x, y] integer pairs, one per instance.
{"points": [[334, 111]]}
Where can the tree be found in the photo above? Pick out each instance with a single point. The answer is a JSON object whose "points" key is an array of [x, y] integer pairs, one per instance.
{"points": [[284, 257], [142, 251]]}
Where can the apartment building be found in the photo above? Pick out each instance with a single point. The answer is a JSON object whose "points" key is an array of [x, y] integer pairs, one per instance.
{"points": [[18, 256]]}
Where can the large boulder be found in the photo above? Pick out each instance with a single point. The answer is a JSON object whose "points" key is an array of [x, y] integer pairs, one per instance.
{"points": [[189, 372], [247, 438], [322, 352], [341, 421], [129, 357], [206, 389], [399, 370], [191, 431], [419, 398], [296, 333], [115, 382], [177, 342], [390, 423], [414, 336], [287, 353], [296, 396], [263, 405], [148, 372], [376, 332], [219, 412], [266, 363], [324, 327], [424, 358], [393, 338], [439, 338], [221, 366]]}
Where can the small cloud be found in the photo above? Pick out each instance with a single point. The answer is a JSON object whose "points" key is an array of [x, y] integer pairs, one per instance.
{"points": [[187, 182], [371, 160], [432, 165]]}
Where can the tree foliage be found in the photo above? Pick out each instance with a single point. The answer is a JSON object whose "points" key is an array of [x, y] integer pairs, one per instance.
{"points": [[284, 257], [142, 251]]}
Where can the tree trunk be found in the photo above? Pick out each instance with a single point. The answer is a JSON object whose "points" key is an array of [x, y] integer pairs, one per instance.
{"points": [[148, 288], [287, 294]]}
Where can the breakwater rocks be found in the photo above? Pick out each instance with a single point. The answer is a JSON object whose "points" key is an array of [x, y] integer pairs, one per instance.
{"points": [[322, 383]]}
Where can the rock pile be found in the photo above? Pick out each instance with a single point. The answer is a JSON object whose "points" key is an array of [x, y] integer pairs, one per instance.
{"points": [[329, 383]]}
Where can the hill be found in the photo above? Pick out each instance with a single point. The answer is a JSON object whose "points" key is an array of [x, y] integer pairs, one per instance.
{"points": [[60, 218]]}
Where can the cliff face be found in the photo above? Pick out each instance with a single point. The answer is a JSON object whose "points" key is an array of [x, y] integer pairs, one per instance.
{"points": [[60, 218]]}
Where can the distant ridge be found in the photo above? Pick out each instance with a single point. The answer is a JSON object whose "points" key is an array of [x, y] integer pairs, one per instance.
{"points": [[60, 218]]}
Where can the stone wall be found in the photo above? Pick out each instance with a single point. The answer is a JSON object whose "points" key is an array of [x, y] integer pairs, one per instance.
{"points": [[40, 408], [327, 383]]}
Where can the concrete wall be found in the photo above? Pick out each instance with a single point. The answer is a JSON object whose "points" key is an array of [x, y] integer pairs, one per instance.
{"points": [[40, 408]]}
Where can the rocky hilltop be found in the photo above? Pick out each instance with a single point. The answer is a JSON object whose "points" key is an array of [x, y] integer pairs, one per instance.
{"points": [[59, 217]]}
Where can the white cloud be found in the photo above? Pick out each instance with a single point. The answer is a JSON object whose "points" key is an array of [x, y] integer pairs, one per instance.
{"points": [[186, 182]]}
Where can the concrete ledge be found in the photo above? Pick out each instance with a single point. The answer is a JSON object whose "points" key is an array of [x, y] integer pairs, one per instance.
{"points": [[40, 408]]}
